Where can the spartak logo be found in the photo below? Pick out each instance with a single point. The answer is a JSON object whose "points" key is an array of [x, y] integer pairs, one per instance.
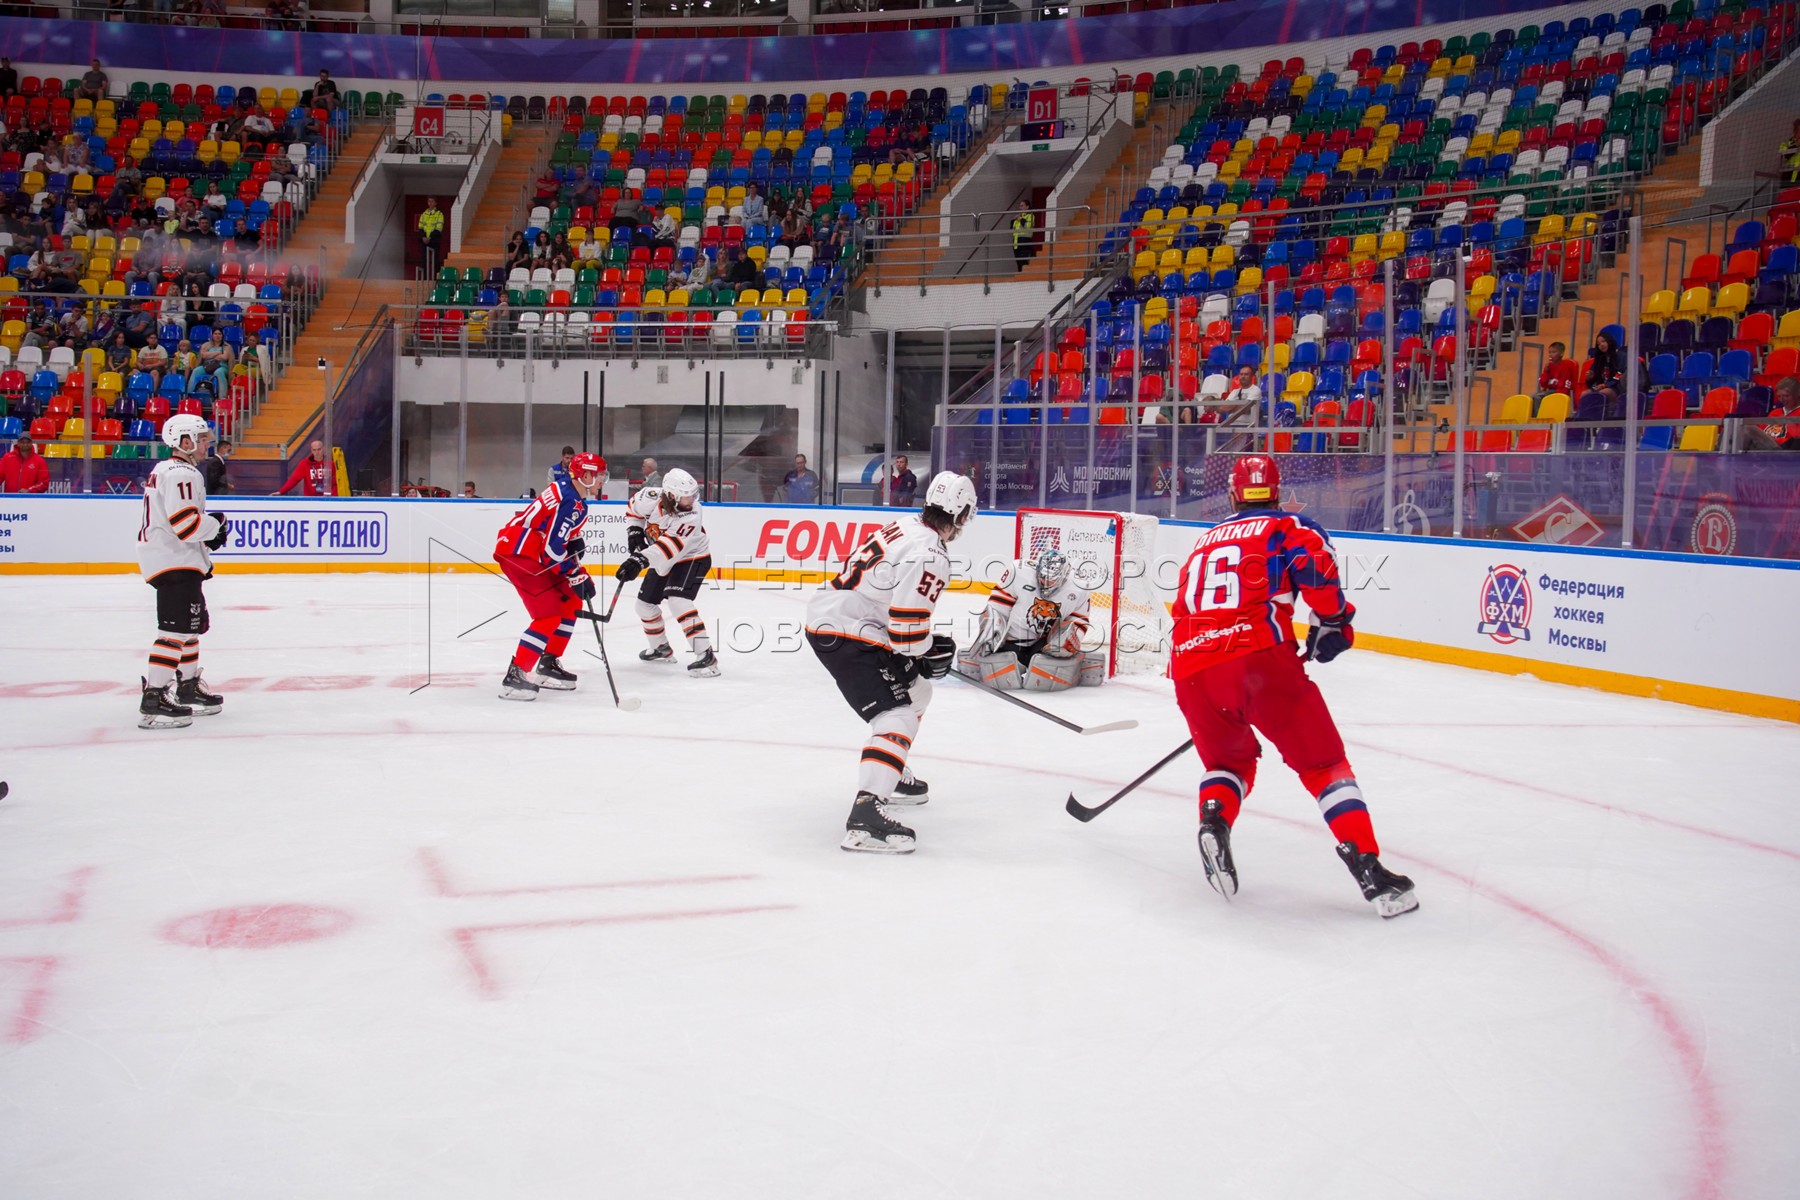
{"points": [[1505, 605]]}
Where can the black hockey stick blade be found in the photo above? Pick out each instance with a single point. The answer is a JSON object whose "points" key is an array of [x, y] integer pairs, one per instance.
{"points": [[1082, 812], [629, 705], [1085, 730]]}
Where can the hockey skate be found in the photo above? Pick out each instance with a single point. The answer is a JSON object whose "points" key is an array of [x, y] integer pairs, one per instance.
{"points": [[1215, 850], [157, 711], [1390, 893], [706, 666], [193, 694], [663, 655], [871, 829], [515, 686], [550, 674], [910, 790]]}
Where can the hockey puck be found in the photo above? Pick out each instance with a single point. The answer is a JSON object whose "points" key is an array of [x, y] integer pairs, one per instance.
{"points": [[631, 704]]}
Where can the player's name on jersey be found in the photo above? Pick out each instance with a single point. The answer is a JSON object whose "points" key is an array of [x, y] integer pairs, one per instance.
{"points": [[357, 532]]}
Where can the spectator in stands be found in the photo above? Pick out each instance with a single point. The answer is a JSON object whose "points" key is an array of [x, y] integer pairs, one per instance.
{"points": [[254, 357], [548, 188], [314, 475], [9, 79], [902, 484], [796, 230], [259, 129], [652, 476], [743, 272], [324, 91], [213, 468], [184, 362], [216, 356], [1606, 366], [697, 273], [22, 469], [468, 492], [756, 209], [627, 212], [801, 485], [839, 241], [666, 230], [518, 250], [1244, 390], [93, 83], [119, 356], [586, 192], [1559, 374], [154, 360], [139, 326]]}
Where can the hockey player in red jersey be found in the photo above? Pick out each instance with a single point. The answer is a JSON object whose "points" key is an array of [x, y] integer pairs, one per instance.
{"points": [[540, 550], [1237, 673]]}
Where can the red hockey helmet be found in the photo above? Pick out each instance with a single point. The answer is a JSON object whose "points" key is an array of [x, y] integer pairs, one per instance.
{"points": [[588, 466], [1255, 479]]}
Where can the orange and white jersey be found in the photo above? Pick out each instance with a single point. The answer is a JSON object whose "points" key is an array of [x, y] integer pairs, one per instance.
{"points": [[1032, 614], [887, 591], [176, 525], [674, 536]]}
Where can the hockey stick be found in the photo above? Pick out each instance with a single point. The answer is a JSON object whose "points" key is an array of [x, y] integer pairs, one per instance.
{"points": [[633, 703], [1082, 812], [981, 684]]}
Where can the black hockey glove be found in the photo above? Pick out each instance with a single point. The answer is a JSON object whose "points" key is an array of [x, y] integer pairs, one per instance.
{"points": [[1329, 638], [937, 661], [582, 584], [903, 668], [576, 547], [218, 539], [635, 539], [630, 569]]}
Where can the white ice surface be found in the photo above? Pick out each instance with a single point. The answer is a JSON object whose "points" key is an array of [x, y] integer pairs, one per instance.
{"points": [[1600, 996]]}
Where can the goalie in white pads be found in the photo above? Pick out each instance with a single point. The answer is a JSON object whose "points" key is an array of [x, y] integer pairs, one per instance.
{"points": [[871, 628], [1032, 629], [174, 545], [666, 534]]}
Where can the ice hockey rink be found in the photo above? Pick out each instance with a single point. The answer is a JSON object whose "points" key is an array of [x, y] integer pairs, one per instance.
{"points": [[350, 939]]}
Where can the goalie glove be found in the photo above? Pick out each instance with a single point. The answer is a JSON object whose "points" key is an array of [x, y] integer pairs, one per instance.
{"points": [[582, 584], [635, 539], [631, 568], [990, 633], [1330, 636], [936, 662], [218, 539]]}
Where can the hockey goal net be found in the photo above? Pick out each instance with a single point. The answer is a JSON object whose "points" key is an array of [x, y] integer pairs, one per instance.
{"points": [[1112, 555]]}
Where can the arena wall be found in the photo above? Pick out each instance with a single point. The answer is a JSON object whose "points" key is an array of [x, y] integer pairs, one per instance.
{"points": [[1669, 626]]}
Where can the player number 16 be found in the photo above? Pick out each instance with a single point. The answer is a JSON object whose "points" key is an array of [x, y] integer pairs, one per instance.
{"points": [[1215, 585]]}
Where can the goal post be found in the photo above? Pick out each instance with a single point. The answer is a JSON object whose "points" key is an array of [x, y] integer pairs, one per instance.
{"points": [[1112, 555]]}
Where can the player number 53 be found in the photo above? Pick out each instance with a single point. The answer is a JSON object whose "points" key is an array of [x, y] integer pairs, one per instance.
{"points": [[1215, 585]]}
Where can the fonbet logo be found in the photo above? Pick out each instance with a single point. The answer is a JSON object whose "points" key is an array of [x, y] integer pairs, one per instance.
{"points": [[830, 541], [1505, 605]]}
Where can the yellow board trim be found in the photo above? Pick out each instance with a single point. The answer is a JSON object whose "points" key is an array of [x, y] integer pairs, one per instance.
{"points": [[1750, 704]]}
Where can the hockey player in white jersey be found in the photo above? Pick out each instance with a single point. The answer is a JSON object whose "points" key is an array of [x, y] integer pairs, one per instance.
{"points": [[665, 532], [871, 628], [174, 541], [1032, 629]]}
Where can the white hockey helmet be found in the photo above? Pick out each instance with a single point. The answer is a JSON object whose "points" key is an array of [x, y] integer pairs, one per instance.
{"points": [[186, 426], [1052, 567], [680, 487], [954, 496]]}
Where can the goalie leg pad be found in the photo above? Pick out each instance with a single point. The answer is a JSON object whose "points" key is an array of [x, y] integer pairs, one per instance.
{"points": [[998, 670], [1093, 670], [1048, 674]]}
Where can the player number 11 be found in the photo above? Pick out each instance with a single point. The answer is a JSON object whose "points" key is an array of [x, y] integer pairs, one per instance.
{"points": [[1215, 585]]}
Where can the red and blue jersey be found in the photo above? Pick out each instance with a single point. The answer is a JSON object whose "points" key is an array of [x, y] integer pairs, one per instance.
{"points": [[1239, 585], [541, 533]]}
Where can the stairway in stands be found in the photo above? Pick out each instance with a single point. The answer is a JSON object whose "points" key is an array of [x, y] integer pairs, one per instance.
{"points": [[484, 242], [1667, 192]]}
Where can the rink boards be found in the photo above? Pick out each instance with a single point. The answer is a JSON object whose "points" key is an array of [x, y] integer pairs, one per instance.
{"points": [[1686, 628]]}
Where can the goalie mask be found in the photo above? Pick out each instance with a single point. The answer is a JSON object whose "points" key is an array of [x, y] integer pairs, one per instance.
{"points": [[1052, 567]]}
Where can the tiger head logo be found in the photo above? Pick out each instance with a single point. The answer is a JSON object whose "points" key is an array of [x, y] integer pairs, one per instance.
{"points": [[652, 530], [1044, 612]]}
